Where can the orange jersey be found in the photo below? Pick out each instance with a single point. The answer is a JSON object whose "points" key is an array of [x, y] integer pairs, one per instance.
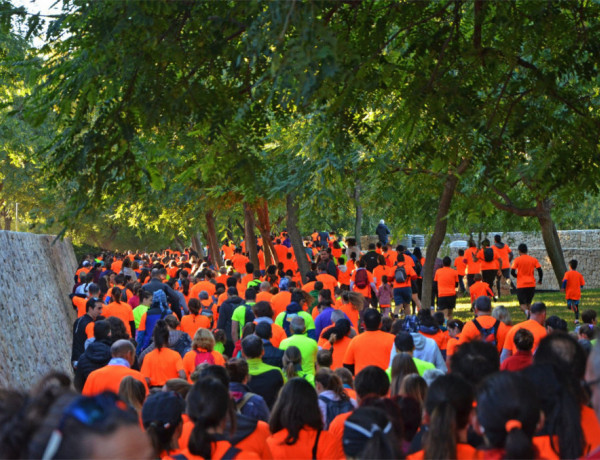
{"points": [[191, 323], [525, 266], [538, 331], [574, 283], [280, 301], [461, 265], [122, 311], [470, 331], [447, 279], [472, 266], [108, 378], [189, 361], [369, 348], [162, 365], [338, 351], [494, 264], [303, 446], [478, 289]]}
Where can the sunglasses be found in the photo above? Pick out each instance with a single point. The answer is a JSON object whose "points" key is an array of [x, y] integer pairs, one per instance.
{"points": [[90, 411]]}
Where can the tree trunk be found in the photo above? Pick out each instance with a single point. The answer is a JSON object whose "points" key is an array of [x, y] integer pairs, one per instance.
{"points": [[264, 226], [229, 230], [295, 237], [179, 242], [7, 221], [439, 233], [359, 214], [197, 244], [250, 236], [551, 240], [213, 242]]}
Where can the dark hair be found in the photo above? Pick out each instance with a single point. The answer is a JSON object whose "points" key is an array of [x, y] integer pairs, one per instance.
{"points": [[588, 316], [264, 330], [250, 294], [410, 410], [160, 334], [558, 399], [340, 329], [292, 361], [455, 323], [502, 397], [324, 358], [381, 442], [449, 402], [252, 346], [522, 248], [372, 319], [237, 368], [556, 323], [101, 330], [331, 381], [262, 308], [117, 329], [208, 403], [538, 307], [447, 261], [371, 380], [404, 341], [194, 306], [523, 340], [296, 407], [573, 264], [475, 360], [402, 365]]}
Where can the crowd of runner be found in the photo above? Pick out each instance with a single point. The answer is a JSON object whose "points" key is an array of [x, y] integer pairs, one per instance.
{"points": [[175, 358]]}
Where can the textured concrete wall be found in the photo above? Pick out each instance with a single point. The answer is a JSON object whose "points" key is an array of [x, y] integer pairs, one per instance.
{"points": [[36, 316], [583, 245]]}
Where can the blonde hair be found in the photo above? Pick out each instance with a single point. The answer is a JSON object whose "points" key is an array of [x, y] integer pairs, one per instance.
{"points": [[203, 338]]}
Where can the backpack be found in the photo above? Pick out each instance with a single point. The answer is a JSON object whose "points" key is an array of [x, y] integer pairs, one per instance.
{"points": [[207, 311], [400, 274], [361, 279], [287, 319], [488, 335], [488, 254], [249, 316], [418, 267], [335, 408], [204, 357]]}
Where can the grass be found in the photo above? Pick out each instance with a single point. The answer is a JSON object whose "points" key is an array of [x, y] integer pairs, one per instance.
{"points": [[554, 300]]}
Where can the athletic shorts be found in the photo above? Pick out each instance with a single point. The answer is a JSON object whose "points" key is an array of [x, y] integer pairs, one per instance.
{"points": [[446, 303], [413, 287], [505, 273], [402, 295], [525, 295]]}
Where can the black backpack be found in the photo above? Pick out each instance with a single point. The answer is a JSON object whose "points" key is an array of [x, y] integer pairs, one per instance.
{"points": [[488, 254], [488, 335], [335, 408], [249, 317]]}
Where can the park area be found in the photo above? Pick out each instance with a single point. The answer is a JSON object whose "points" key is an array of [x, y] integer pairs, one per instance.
{"points": [[171, 162]]}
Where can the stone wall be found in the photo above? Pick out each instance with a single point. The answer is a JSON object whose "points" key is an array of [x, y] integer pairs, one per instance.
{"points": [[583, 245], [36, 315]]}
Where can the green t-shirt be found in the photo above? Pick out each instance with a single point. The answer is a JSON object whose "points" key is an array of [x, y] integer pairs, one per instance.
{"points": [[308, 349], [256, 366], [138, 312], [239, 315], [308, 320], [421, 365]]}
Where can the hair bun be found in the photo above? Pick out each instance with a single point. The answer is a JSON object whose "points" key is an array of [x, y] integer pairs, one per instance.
{"points": [[513, 425]]}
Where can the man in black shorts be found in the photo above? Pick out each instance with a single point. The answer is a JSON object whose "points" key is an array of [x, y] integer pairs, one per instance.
{"points": [[523, 269]]}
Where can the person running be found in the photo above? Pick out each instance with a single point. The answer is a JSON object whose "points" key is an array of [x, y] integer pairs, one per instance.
{"points": [[523, 268], [446, 279], [571, 285], [506, 255], [460, 264], [473, 266], [479, 288]]}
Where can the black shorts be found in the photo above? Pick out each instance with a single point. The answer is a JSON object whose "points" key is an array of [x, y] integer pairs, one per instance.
{"points": [[446, 303], [413, 286], [525, 295]]}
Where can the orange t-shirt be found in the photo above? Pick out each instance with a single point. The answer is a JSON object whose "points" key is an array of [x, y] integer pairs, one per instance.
{"points": [[280, 301], [378, 273], [303, 446], [339, 351], [410, 275], [189, 360], [344, 276], [239, 263], [461, 265], [503, 254], [89, 330], [369, 348], [281, 251], [256, 442], [227, 251], [472, 266], [538, 331], [264, 296], [336, 430], [470, 331], [80, 303], [202, 286], [574, 281], [162, 365], [366, 291], [278, 334], [591, 428], [191, 323], [463, 452], [478, 289], [440, 337], [391, 257], [329, 282], [352, 314], [122, 311], [108, 378], [493, 265], [452, 345], [447, 278], [525, 266]]}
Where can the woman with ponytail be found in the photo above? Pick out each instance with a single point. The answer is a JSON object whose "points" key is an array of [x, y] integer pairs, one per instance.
{"points": [[448, 408], [333, 400], [292, 365], [297, 424], [508, 413], [121, 309], [209, 406], [162, 363]]}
